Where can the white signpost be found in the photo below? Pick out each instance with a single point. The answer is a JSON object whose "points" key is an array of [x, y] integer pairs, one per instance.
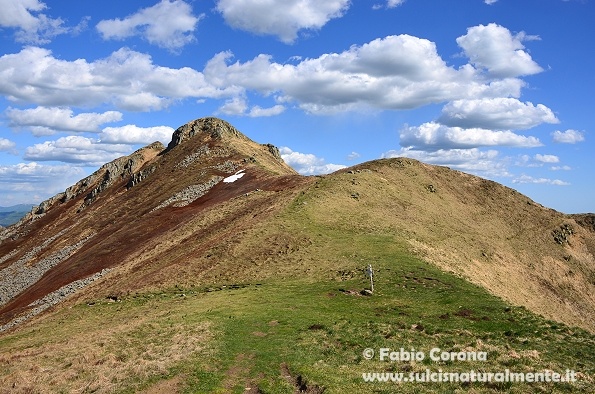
{"points": [[371, 275]]}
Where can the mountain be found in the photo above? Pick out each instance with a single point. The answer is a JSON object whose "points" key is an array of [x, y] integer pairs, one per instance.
{"points": [[16, 208], [129, 205], [14, 213], [214, 236]]}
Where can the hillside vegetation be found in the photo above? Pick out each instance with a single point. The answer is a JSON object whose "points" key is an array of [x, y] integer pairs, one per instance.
{"points": [[258, 285]]}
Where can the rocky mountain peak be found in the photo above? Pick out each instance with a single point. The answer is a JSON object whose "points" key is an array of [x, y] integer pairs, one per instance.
{"points": [[215, 128]]}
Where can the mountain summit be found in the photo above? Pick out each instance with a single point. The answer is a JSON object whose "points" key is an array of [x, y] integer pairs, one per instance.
{"points": [[115, 214]]}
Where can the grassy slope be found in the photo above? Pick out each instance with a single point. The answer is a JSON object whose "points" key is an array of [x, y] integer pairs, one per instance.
{"points": [[474, 228], [288, 308]]}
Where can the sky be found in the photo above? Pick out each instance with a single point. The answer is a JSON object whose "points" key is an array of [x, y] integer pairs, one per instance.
{"points": [[502, 89]]}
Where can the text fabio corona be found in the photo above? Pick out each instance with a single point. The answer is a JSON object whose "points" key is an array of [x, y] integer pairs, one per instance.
{"points": [[435, 354]]}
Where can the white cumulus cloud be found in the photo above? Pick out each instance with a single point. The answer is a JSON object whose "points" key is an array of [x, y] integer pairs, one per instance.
{"points": [[547, 158], [395, 72], [394, 3], [76, 149], [496, 50], [49, 120], [168, 24], [234, 106], [239, 107], [33, 182], [132, 134], [389, 4], [126, 78], [529, 179], [434, 136], [568, 137], [496, 113], [33, 26], [283, 19], [257, 111], [6, 145], [307, 163]]}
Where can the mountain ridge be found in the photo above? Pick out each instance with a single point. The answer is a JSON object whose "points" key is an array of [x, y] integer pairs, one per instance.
{"points": [[163, 216], [214, 267]]}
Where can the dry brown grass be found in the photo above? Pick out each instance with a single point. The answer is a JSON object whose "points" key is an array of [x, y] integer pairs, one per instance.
{"points": [[103, 349]]}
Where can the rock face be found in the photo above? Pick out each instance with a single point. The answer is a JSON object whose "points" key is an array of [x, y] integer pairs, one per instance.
{"points": [[274, 151], [116, 170], [214, 127], [139, 176]]}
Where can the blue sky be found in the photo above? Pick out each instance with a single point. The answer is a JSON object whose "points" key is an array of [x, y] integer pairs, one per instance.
{"points": [[502, 89]]}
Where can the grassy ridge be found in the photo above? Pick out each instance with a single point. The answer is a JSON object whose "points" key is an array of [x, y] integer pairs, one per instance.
{"points": [[266, 335], [320, 330]]}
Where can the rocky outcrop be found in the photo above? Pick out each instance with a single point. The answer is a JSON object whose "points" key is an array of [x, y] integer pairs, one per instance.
{"points": [[201, 152], [190, 193], [140, 176], [274, 151], [214, 127], [118, 169], [562, 235], [121, 169]]}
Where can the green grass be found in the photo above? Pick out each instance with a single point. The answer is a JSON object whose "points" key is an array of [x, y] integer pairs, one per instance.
{"points": [[318, 330]]}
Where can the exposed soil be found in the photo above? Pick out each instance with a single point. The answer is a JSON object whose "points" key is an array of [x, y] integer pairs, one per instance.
{"points": [[238, 373], [300, 384]]}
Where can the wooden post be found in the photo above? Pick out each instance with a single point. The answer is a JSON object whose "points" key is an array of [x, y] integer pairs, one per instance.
{"points": [[371, 274]]}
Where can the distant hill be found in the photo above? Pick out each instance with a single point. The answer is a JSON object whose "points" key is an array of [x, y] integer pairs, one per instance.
{"points": [[12, 214], [210, 265]]}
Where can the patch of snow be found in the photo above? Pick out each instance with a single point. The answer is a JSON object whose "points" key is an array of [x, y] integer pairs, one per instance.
{"points": [[234, 177]]}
